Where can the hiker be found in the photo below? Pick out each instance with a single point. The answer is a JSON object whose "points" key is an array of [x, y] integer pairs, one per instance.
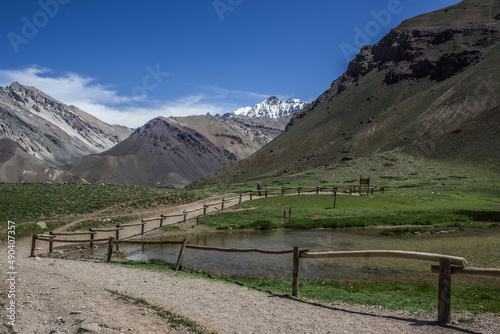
{"points": [[260, 186]]}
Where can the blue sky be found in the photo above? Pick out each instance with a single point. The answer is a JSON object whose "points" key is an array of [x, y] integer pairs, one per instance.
{"points": [[129, 61]]}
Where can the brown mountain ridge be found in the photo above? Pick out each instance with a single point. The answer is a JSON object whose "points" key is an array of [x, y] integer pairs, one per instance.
{"points": [[429, 88], [160, 153]]}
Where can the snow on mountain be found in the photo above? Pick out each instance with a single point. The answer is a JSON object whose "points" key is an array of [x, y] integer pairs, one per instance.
{"points": [[272, 108]]}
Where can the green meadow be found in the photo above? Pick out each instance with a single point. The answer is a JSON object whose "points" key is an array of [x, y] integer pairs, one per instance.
{"points": [[460, 203]]}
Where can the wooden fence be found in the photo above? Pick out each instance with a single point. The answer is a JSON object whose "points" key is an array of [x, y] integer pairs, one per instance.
{"points": [[448, 265], [223, 203]]}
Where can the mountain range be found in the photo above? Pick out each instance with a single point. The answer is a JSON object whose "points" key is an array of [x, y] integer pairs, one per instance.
{"points": [[429, 89], [272, 107], [43, 139]]}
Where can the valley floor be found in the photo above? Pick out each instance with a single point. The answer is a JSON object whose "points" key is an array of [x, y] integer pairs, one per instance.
{"points": [[66, 296]]}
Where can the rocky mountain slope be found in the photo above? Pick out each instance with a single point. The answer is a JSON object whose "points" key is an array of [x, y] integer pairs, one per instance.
{"points": [[429, 88], [16, 165], [240, 135], [160, 153], [272, 107], [50, 130], [52, 140]]}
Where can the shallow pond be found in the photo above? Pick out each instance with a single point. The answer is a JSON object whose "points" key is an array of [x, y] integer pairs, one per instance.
{"points": [[480, 247]]}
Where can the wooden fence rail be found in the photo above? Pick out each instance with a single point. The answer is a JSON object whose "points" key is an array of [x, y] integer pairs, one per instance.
{"points": [[459, 261], [471, 271], [239, 250], [74, 233]]}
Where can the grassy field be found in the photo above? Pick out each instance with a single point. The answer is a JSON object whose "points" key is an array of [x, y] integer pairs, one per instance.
{"points": [[421, 299], [421, 205], [409, 202], [27, 203]]}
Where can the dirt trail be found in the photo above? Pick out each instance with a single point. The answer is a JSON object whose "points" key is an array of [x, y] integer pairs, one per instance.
{"points": [[67, 296]]}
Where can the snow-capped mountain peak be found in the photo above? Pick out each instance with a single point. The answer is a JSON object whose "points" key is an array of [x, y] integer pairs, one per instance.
{"points": [[272, 107]]}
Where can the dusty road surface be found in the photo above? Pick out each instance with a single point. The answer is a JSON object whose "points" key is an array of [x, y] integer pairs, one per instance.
{"points": [[82, 296]]}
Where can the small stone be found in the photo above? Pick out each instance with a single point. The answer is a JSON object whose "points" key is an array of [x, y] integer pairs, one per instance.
{"points": [[43, 225], [92, 328]]}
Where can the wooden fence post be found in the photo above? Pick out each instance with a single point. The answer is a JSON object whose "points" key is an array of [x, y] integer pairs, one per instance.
{"points": [[444, 298], [334, 197], [266, 193], [161, 220], [185, 215], [33, 244], [223, 204], [317, 190], [241, 195], [205, 209], [282, 190], [51, 245], [91, 240], [251, 195], [117, 235], [298, 190], [110, 249], [290, 214], [181, 255], [142, 228], [295, 274]]}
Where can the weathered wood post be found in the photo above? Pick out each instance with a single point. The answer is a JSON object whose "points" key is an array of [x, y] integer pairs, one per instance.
{"points": [[91, 239], [283, 191], [241, 195], [181, 255], [110, 249], [295, 273], [290, 214], [185, 215], [51, 244], [444, 298], [161, 220], [251, 195], [117, 233], [142, 228], [33, 244], [223, 201], [317, 190], [298, 190], [266, 193], [205, 209], [334, 197]]}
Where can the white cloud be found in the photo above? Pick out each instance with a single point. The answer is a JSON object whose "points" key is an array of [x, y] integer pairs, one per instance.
{"points": [[110, 106]]}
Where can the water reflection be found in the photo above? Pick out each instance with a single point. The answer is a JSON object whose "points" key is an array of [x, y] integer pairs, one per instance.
{"points": [[481, 248]]}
